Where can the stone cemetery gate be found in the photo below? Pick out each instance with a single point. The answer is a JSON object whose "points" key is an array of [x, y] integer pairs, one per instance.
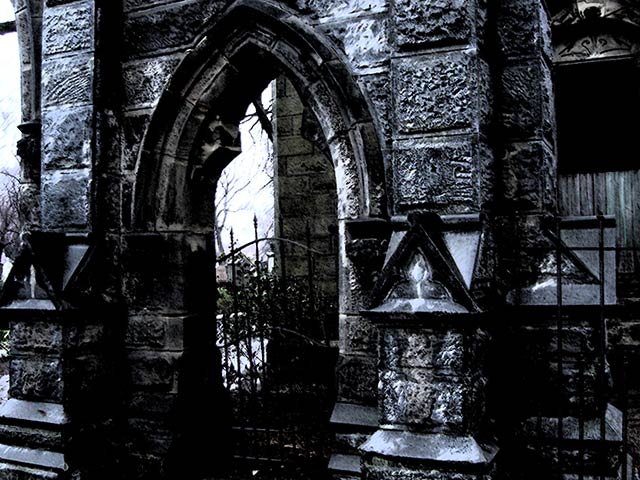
{"points": [[487, 270]]}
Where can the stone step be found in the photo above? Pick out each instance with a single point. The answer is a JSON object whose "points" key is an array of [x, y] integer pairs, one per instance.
{"points": [[36, 459], [19, 472], [32, 424], [352, 426], [20, 436], [345, 467]]}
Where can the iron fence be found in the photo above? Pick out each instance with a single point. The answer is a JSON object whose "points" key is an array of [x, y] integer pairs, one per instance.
{"points": [[564, 405], [274, 331]]}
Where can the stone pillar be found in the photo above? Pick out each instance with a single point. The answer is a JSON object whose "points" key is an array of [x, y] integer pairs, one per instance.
{"points": [[526, 108], [432, 349], [443, 104], [68, 116], [58, 419], [431, 390]]}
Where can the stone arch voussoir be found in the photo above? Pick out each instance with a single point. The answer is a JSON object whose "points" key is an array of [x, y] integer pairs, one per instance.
{"points": [[231, 60]]}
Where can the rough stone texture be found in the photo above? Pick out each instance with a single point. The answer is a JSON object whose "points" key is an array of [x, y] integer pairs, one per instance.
{"points": [[167, 27], [67, 81], [357, 379], [443, 175], [416, 398], [524, 28], [357, 335], [152, 370], [152, 259], [381, 468], [145, 80], [306, 190], [155, 332], [436, 22], [423, 348], [65, 198], [43, 337], [36, 378], [68, 28], [365, 41], [431, 379], [68, 140], [527, 108], [378, 89], [436, 92], [525, 190], [336, 9]]}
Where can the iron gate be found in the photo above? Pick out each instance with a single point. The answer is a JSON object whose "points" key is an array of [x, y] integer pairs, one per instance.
{"points": [[274, 332]]}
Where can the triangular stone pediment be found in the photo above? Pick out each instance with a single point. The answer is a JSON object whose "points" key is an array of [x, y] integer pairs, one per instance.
{"points": [[46, 271], [422, 274]]}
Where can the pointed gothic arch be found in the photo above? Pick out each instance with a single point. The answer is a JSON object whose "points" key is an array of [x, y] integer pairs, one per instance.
{"points": [[234, 60]]}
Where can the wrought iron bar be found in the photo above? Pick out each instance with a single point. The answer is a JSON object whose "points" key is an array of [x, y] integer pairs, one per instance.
{"points": [[559, 325], [603, 339]]}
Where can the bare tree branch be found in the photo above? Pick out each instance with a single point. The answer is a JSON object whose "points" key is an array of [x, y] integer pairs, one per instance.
{"points": [[7, 27], [263, 117]]}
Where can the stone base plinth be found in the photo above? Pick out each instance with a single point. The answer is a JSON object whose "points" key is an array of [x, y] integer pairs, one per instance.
{"points": [[392, 454], [32, 437]]}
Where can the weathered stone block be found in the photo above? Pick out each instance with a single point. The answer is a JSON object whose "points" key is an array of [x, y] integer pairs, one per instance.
{"points": [[340, 9], [357, 379], [145, 80], [67, 138], [528, 175], [436, 92], [68, 28], [524, 29], [67, 81], [443, 351], [378, 89], [391, 455], [41, 337], [152, 259], [148, 435], [152, 370], [146, 331], [365, 41], [289, 105], [151, 403], [172, 26], [357, 335], [37, 378], [435, 22], [443, 175], [65, 198], [415, 397], [527, 100], [294, 146]]}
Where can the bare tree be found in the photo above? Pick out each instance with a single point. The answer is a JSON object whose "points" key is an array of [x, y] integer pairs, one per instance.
{"points": [[10, 215], [236, 190]]}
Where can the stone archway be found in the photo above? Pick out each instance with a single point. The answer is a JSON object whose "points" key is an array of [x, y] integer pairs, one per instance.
{"points": [[193, 136]]}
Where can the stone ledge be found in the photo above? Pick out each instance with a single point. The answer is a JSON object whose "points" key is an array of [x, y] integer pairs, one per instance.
{"points": [[16, 411], [28, 456], [349, 464], [352, 415], [18, 472], [429, 447]]}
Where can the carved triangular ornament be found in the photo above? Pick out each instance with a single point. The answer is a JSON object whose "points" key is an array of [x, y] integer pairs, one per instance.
{"points": [[420, 273], [46, 272]]}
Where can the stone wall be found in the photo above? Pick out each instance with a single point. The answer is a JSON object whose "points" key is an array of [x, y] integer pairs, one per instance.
{"points": [[444, 106], [305, 188]]}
